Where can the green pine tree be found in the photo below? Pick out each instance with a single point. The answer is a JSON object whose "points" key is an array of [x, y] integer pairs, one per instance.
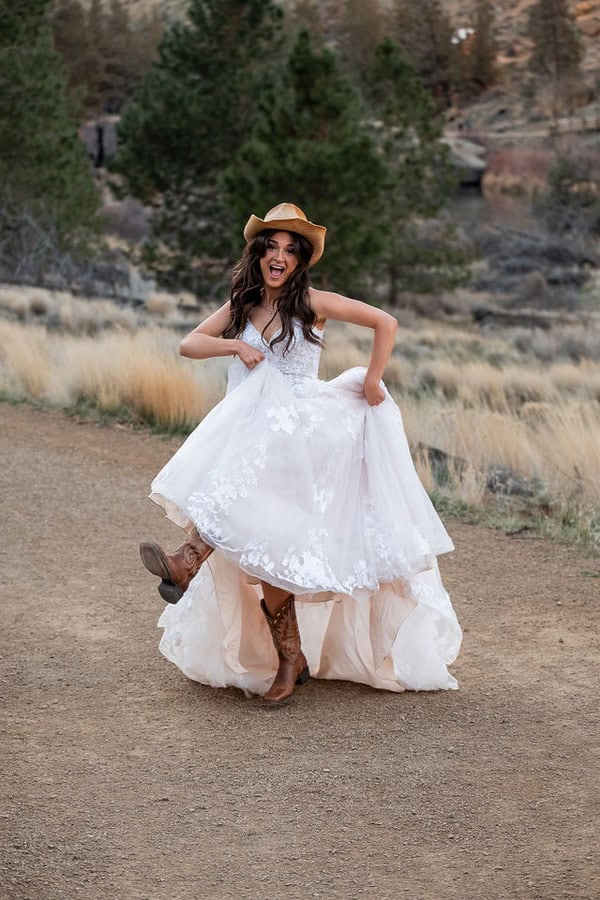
{"points": [[306, 14], [570, 202], [362, 28], [72, 41], [476, 53], [96, 40], [44, 174], [309, 147], [419, 180], [118, 53], [557, 50], [189, 117], [483, 48], [105, 51], [424, 32], [146, 38]]}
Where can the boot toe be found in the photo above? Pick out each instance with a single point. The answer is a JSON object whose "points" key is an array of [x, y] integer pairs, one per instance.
{"points": [[153, 558]]}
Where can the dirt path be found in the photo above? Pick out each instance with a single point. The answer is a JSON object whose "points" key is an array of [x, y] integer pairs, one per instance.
{"points": [[124, 780]]}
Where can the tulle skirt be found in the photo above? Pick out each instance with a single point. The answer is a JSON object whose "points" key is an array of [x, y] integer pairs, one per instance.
{"points": [[300, 483]]}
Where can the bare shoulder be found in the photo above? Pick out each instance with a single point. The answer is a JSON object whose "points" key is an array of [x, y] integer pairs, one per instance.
{"points": [[330, 305], [317, 297], [326, 303]]}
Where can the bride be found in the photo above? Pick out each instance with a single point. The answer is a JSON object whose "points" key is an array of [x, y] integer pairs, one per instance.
{"points": [[301, 497]]}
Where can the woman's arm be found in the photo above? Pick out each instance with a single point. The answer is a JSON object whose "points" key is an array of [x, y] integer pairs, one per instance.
{"points": [[328, 305], [205, 341]]}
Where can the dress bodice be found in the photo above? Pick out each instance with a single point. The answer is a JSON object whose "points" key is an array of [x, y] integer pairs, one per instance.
{"points": [[299, 365]]}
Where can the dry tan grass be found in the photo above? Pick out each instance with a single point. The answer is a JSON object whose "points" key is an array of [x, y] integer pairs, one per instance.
{"points": [[346, 346], [64, 312], [140, 373], [571, 342], [338, 356], [558, 447], [70, 314], [91, 317], [582, 379], [516, 171], [17, 302], [397, 373], [160, 304], [25, 362], [440, 375], [542, 422], [481, 384]]}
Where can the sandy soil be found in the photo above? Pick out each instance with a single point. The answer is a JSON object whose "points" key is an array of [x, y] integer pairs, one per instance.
{"points": [[121, 779]]}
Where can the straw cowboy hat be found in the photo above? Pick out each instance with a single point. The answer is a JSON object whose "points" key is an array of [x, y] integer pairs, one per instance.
{"points": [[287, 217]]}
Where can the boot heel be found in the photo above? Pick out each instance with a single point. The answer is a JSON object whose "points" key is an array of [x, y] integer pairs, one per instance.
{"points": [[171, 593], [303, 677]]}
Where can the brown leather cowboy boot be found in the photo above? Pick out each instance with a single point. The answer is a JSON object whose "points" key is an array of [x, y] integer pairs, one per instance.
{"points": [[293, 668], [176, 569]]}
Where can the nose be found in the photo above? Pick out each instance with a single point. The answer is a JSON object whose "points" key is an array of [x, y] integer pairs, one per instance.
{"points": [[278, 253]]}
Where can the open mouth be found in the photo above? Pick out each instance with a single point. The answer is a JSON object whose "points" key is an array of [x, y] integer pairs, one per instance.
{"points": [[276, 271]]}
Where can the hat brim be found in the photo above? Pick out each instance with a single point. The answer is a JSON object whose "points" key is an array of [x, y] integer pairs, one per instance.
{"points": [[315, 234]]}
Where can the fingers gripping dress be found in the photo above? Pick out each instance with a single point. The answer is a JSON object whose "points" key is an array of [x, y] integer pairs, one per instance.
{"points": [[300, 483]]}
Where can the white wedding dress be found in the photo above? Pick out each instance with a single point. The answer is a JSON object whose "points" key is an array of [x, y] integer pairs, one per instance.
{"points": [[302, 484]]}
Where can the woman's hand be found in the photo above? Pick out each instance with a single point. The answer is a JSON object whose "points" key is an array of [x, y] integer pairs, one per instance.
{"points": [[373, 391], [249, 355], [328, 305]]}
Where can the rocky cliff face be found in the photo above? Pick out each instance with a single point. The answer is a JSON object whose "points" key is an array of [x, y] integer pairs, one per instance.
{"points": [[511, 24]]}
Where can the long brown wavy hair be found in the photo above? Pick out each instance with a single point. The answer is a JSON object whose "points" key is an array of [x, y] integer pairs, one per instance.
{"points": [[292, 304]]}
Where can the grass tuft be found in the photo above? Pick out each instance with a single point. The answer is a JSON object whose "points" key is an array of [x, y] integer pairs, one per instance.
{"points": [[117, 374], [483, 402]]}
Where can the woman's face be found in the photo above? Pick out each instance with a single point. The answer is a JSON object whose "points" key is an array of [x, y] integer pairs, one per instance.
{"points": [[279, 261]]}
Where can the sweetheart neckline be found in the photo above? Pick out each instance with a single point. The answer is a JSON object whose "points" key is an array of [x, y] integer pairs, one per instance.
{"points": [[267, 341]]}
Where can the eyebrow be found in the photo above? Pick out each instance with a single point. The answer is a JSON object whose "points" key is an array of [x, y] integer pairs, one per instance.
{"points": [[287, 246]]}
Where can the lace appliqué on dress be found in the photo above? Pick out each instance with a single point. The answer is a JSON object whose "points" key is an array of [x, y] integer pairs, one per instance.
{"points": [[206, 508], [301, 495], [299, 366]]}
